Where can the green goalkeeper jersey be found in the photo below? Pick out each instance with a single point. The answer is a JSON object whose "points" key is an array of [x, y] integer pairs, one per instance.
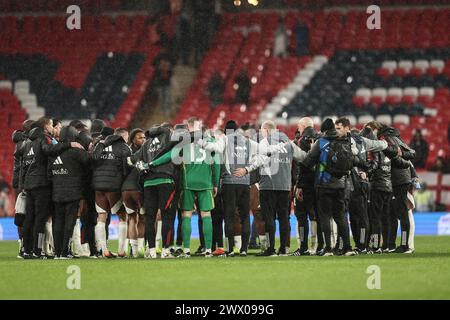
{"points": [[200, 169]]}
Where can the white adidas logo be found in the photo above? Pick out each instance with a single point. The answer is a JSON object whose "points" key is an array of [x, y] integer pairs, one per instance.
{"points": [[108, 149], [155, 141], [58, 161], [31, 153]]}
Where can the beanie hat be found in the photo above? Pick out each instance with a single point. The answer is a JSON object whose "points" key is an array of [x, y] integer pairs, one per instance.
{"points": [[107, 131], [328, 124]]}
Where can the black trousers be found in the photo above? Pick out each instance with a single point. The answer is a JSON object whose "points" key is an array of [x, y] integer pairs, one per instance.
{"points": [[89, 221], [63, 223], [359, 216], [331, 204], [399, 211], [217, 215], [179, 241], [236, 196], [159, 197], [379, 216], [37, 212], [304, 210], [275, 205]]}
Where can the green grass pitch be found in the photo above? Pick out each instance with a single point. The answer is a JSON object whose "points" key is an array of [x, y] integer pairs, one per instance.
{"points": [[423, 275]]}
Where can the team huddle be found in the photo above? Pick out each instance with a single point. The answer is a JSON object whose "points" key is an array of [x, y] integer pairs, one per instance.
{"points": [[71, 179]]}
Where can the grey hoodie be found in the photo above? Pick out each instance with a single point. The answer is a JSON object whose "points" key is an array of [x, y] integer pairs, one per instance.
{"points": [[276, 167], [237, 151]]}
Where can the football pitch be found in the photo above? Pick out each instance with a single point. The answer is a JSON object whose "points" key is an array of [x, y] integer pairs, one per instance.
{"points": [[422, 275]]}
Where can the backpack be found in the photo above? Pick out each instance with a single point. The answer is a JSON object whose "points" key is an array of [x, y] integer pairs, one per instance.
{"points": [[339, 158]]}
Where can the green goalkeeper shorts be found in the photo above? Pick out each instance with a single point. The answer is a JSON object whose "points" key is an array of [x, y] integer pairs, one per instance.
{"points": [[205, 200]]}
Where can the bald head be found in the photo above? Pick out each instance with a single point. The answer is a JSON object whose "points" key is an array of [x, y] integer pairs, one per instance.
{"points": [[304, 123]]}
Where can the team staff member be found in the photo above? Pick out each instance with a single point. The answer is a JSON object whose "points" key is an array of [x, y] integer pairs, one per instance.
{"points": [[159, 187], [109, 171], [133, 199], [358, 198], [236, 150], [305, 195], [331, 187], [20, 137], [275, 183], [401, 184], [88, 219], [199, 181], [37, 185], [68, 172]]}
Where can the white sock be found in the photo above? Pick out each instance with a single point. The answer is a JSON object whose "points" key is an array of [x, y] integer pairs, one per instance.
{"points": [[263, 242], [76, 237], [100, 237], [314, 238], [411, 229], [297, 234], [238, 242], [85, 249], [48, 237], [134, 247], [158, 234], [334, 234], [141, 244], [123, 229]]}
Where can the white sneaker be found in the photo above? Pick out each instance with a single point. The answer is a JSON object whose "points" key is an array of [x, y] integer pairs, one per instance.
{"points": [[85, 251], [185, 255], [208, 254], [151, 254], [49, 250], [350, 253], [165, 254]]}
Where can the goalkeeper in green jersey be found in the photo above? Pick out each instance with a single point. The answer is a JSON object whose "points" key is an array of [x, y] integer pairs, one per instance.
{"points": [[200, 177]]}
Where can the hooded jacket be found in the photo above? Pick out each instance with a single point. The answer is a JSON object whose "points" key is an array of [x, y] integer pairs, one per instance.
{"points": [[19, 138], [306, 176], [35, 158], [276, 168], [69, 171], [158, 143], [323, 178], [110, 164], [399, 174]]}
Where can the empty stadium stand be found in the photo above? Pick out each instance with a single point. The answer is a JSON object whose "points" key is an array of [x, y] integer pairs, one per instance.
{"points": [[101, 71], [399, 74]]}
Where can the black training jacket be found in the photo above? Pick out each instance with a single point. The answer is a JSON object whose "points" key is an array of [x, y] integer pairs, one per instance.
{"points": [[400, 174], [69, 174], [110, 167], [158, 143], [35, 158], [305, 176], [313, 160], [131, 182], [19, 138]]}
